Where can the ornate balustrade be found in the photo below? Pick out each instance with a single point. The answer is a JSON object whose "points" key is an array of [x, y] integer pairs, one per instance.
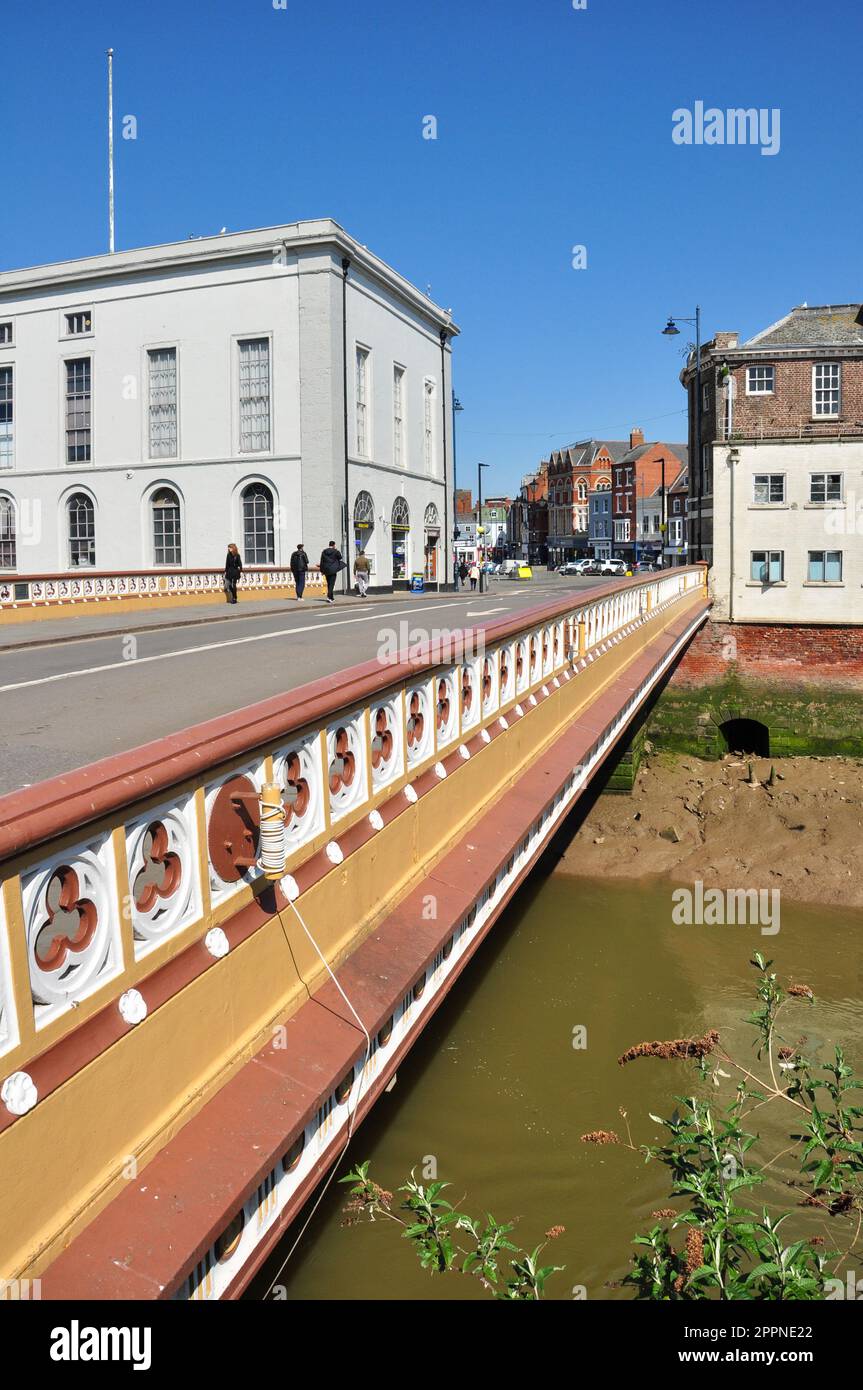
{"points": [[32, 594], [132, 899]]}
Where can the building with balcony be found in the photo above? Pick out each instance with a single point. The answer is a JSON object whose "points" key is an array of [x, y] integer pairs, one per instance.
{"points": [[261, 387], [776, 486]]}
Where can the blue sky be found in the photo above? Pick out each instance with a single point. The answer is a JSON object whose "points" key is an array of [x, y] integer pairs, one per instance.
{"points": [[554, 130]]}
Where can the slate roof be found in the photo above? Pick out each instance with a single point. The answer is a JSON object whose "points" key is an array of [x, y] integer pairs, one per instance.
{"points": [[582, 453], [680, 451], [825, 325]]}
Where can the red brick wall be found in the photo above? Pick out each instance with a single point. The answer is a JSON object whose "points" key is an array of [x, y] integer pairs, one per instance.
{"points": [[791, 402], [773, 653]]}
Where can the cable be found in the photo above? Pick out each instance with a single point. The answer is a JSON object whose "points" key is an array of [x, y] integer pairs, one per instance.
{"points": [[351, 1113]]}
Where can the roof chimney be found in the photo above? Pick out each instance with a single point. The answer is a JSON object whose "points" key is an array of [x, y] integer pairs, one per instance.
{"points": [[636, 438]]}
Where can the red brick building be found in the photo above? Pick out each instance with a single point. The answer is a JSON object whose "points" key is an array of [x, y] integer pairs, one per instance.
{"points": [[639, 474]]}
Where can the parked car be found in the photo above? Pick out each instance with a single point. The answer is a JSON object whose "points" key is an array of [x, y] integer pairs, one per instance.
{"points": [[613, 566], [644, 567], [578, 567]]}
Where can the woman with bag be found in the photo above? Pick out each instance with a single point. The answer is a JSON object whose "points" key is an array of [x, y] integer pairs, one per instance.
{"points": [[233, 570]]}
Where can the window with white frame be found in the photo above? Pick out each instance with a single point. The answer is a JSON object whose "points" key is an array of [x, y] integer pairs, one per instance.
{"points": [[259, 544], [7, 417], [81, 321], [167, 542], [767, 566], [81, 533], [162, 402], [428, 425], [825, 487], [254, 395], [825, 389], [8, 556], [825, 567], [6, 334], [621, 530], [78, 411], [767, 488], [760, 381], [398, 416], [362, 403]]}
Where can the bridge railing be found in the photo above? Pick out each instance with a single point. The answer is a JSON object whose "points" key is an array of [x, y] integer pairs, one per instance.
{"points": [[103, 587], [110, 872]]}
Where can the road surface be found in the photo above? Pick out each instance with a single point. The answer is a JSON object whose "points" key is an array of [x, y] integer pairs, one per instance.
{"points": [[65, 703]]}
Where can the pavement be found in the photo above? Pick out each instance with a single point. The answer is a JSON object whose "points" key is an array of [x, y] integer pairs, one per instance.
{"points": [[76, 689]]}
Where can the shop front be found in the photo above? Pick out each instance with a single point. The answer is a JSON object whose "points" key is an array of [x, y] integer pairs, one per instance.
{"points": [[431, 546], [401, 529]]}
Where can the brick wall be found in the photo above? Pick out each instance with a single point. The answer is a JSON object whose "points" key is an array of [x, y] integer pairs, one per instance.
{"points": [[791, 402], [773, 653]]}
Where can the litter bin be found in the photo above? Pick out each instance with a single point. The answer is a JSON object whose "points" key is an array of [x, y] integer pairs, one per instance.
{"points": [[417, 583]]}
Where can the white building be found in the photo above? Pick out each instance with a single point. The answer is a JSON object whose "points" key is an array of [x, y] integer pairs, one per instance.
{"points": [[261, 387], [775, 506]]}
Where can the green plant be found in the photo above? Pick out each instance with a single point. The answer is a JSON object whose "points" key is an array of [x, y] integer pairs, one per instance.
{"points": [[731, 1251], [436, 1230]]}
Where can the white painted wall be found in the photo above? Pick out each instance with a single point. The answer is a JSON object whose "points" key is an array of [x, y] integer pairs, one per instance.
{"points": [[795, 527], [200, 297]]}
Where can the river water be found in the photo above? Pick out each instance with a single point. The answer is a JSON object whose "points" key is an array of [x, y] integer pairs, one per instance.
{"points": [[496, 1093]]}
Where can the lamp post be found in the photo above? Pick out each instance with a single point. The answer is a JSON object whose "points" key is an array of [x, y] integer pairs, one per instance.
{"points": [[663, 525], [457, 408], [670, 330], [479, 526]]}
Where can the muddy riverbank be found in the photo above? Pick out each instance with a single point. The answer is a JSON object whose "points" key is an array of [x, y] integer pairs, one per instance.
{"points": [[686, 819]]}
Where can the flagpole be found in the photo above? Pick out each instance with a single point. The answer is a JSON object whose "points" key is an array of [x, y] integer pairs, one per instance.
{"points": [[111, 150]]}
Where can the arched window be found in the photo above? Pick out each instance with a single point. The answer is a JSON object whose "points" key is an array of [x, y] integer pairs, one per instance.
{"points": [[401, 525], [431, 515], [81, 518], [582, 489], [8, 530], [259, 545], [364, 520], [167, 540]]}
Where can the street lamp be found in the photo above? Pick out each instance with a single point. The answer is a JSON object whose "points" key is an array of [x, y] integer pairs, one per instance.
{"points": [[479, 468], [457, 408], [670, 330]]}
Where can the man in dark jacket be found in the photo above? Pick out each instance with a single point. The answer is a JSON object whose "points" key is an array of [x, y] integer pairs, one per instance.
{"points": [[299, 565], [233, 570], [331, 563]]}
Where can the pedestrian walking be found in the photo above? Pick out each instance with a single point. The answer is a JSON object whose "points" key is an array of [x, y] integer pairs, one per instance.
{"points": [[233, 570], [463, 573], [474, 574], [331, 563], [299, 564], [362, 570]]}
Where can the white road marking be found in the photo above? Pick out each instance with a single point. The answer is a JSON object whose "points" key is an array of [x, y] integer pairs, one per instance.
{"points": [[231, 642], [482, 612]]}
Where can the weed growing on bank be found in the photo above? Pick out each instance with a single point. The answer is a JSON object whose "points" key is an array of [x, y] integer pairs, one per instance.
{"points": [[710, 1245], [715, 1247]]}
